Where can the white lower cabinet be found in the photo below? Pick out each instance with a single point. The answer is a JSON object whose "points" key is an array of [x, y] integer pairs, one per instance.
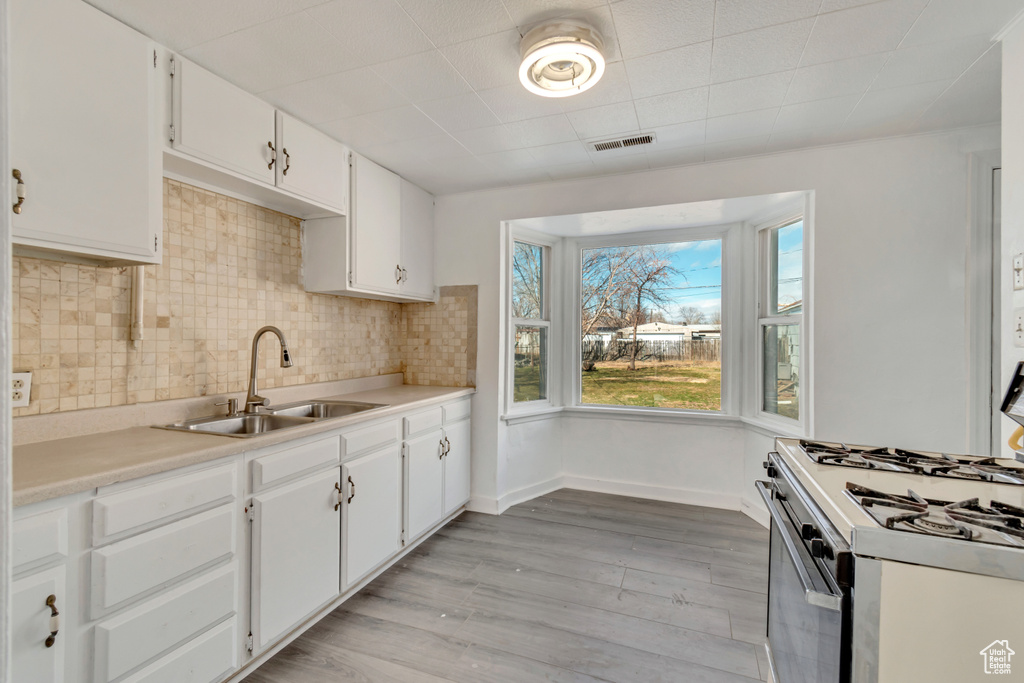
{"points": [[424, 472], [456, 465], [373, 511], [206, 658], [34, 655], [296, 537]]}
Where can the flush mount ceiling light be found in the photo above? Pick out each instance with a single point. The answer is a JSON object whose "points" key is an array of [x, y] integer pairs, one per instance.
{"points": [[561, 59]]}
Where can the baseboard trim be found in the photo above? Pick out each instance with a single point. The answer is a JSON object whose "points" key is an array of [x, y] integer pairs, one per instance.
{"points": [[486, 505], [529, 493], [756, 511], [670, 495]]}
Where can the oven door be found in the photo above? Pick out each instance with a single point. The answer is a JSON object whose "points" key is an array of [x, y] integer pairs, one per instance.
{"points": [[805, 608]]}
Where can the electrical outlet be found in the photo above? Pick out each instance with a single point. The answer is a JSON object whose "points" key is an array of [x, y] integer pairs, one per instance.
{"points": [[21, 389]]}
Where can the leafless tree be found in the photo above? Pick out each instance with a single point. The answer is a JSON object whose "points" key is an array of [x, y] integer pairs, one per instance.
{"points": [[716, 317], [649, 274], [691, 315], [527, 281]]}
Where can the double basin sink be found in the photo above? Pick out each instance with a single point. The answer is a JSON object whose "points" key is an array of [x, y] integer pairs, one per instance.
{"points": [[274, 419]]}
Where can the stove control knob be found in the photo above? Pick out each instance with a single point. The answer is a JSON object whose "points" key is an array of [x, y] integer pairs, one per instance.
{"points": [[817, 548], [808, 532], [770, 468]]}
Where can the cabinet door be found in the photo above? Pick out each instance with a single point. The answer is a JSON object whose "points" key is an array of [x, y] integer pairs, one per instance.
{"points": [[80, 133], [456, 466], [373, 511], [417, 241], [30, 626], [424, 476], [312, 164], [222, 124], [376, 226], [295, 554]]}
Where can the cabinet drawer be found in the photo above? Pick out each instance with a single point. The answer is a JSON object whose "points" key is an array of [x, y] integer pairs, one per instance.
{"points": [[159, 625], [145, 506], [421, 423], [203, 660], [369, 438], [140, 564], [287, 464], [453, 412], [39, 539]]}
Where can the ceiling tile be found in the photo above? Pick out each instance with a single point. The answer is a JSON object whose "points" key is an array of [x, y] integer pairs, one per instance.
{"points": [[648, 26], [186, 23], [462, 112], [764, 51], [395, 155], [606, 121], [271, 55], [972, 101], [736, 16], [736, 148], [679, 69], [513, 158], [623, 164], [336, 96], [423, 77], [376, 32], [584, 169], [487, 62], [434, 148], [740, 126], [358, 132], [834, 79], [864, 30], [817, 114], [933, 62], [748, 94], [834, 5], [487, 140], [453, 21], [894, 110], [683, 156], [677, 107], [561, 153], [393, 125], [951, 19], [529, 13], [600, 17], [678, 135], [612, 88], [514, 103], [543, 131]]}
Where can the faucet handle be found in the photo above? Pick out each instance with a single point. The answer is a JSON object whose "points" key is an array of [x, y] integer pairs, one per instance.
{"points": [[254, 403], [232, 404]]}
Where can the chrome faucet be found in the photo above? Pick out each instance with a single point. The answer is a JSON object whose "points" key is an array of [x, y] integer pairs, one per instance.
{"points": [[253, 402]]}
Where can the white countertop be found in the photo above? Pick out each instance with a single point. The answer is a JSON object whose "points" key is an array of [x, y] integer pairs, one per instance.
{"points": [[50, 469]]}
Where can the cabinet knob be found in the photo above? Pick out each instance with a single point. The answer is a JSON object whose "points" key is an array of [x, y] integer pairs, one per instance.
{"points": [[273, 155], [20, 189], [51, 602]]}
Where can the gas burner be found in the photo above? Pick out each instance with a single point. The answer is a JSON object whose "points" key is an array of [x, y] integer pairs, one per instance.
{"points": [[964, 467], [966, 520]]}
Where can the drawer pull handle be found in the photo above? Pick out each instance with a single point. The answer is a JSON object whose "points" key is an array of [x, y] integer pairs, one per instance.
{"points": [[337, 487], [20, 188], [287, 161], [352, 488], [51, 602], [443, 451], [398, 275], [273, 155], [447, 446]]}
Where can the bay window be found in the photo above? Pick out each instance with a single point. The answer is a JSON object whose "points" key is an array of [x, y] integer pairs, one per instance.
{"points": [[780, 305]]}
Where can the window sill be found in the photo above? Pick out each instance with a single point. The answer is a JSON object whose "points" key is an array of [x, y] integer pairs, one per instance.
{"points": [[773, 428], [533, 415], [652, 415]]}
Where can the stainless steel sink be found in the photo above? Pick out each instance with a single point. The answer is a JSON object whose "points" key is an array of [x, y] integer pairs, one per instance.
{"points": [[240, 425], [322, 410]]}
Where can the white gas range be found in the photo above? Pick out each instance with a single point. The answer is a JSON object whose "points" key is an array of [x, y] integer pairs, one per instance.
{"points": [[894, 566]]}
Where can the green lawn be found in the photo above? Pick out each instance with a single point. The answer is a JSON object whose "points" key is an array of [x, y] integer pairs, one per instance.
{"points": [[691, 385], [527, 386]]}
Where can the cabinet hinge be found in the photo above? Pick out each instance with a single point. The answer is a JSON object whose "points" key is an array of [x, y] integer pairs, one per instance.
{"points": [[350, 279], [172, 132], [250, 513], [403, 537], [248, 642], [154, 59], [172, 67], [404, 447], [156, 242]]}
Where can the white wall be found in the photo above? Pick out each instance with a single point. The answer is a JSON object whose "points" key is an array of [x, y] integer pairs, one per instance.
{"points": [[1012, 236], [890, 337]]}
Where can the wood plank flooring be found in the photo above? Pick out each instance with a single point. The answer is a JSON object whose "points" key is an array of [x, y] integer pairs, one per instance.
{"points": [[572, 586]]}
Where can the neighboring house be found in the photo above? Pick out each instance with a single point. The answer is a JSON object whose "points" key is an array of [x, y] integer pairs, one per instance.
{"points": [[793, 308], [671, 332]]}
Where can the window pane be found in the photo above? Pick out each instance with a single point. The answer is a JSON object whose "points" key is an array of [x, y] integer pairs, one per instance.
{"points": [[531, 364], [651, 329], [787, 253], [782, 370], [528, 281]]}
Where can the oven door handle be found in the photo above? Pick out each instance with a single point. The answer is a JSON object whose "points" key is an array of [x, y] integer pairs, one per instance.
{"points": [[829, 601]]}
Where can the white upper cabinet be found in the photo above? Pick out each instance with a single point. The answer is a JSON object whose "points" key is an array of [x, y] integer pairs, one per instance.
{"points": [[417, 242], [376, 227], [310, 163], [222, 124], [83, 91]]}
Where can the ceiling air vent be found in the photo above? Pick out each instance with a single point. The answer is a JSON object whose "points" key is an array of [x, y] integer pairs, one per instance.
{"points": [[620, 143]]}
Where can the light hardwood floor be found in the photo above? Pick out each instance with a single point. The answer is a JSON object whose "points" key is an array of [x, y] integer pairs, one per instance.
{"points": [[571, 586]]}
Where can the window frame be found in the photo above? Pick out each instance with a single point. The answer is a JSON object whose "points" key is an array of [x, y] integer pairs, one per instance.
{"points": [[731, 306], [763, 319]]}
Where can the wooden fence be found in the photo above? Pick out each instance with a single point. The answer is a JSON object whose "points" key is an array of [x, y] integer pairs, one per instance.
{"points": [[658, 350]]}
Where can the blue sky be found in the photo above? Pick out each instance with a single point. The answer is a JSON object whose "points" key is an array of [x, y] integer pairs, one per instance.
{"points": [[699, 283]]}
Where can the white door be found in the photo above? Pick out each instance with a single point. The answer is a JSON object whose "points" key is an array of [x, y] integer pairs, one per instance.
{"points": [[80, 133], [311, 164], [222, 124], [31, 659], [376, 232], [417, 241], [424, 478], [373, 510], [457, 465], [296, 537]]}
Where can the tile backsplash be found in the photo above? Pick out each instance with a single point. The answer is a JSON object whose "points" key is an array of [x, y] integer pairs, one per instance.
{"points": [[228, 268]]}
